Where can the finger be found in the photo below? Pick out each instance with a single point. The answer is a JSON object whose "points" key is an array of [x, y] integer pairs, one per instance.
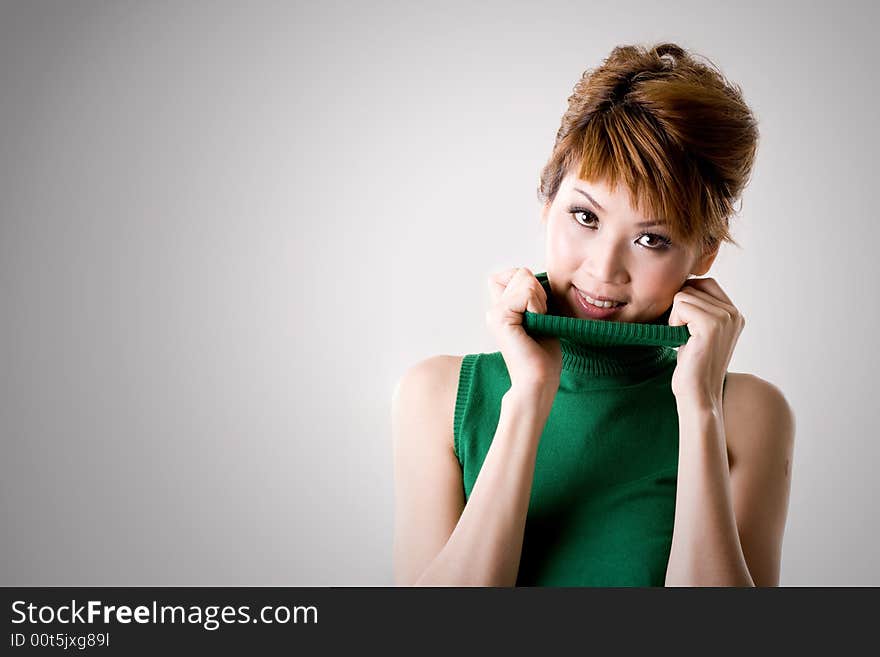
{"points": [[725, 310], [522, 294], [538, 296], [706, 303], [686, 313], [502, 277], [711, 286], [498, 282], [515, 277]]}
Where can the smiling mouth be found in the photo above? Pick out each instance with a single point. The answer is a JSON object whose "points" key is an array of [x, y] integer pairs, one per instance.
{"points": [[592, 311], [599, 304]]}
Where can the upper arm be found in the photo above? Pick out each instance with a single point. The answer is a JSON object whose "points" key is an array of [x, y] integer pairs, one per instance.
{"points": [[428, 489], [759, 427]]}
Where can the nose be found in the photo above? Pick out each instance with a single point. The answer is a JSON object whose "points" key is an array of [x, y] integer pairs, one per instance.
{"points": [[606, 261]]}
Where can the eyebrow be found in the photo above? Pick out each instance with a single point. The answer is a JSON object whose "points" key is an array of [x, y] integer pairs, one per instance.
{"points": [[601, 209]]}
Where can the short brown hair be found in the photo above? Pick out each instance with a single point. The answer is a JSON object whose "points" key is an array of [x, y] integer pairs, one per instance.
{"points": [[671, 128]]}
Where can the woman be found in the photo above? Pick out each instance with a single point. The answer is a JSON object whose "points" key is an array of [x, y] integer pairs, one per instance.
{"points": [[554, 462]]}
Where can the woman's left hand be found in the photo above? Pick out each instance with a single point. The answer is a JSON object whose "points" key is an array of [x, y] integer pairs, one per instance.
{"points": [[715, 325]]}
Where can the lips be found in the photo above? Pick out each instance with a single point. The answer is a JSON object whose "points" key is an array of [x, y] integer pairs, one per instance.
{"points": [[596, 297], [592, 312]]}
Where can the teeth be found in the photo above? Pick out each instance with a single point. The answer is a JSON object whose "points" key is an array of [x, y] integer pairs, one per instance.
{"points": [[601, 304]]}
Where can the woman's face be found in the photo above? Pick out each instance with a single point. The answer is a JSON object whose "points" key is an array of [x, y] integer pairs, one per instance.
{"points": [[598, 247]]}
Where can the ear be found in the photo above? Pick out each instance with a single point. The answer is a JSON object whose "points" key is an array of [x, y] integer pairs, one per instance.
{"points": [[704, 262]]}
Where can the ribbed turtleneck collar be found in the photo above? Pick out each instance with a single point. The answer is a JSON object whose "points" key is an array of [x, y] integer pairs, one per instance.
{"points": [[603, 348]]}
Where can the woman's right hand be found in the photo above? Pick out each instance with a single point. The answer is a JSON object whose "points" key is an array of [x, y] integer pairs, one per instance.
{"points": [[531, 362]]}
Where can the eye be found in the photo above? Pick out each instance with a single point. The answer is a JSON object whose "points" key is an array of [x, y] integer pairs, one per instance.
{"points": [[660, 242], [589, 215], [657, 242]]}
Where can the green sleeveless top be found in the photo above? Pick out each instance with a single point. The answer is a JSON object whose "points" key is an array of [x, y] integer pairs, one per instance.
{"points": [[603, 495]]}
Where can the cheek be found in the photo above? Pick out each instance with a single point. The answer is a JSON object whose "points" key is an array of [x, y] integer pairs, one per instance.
{"points": [[563, 246], [658, 280]]}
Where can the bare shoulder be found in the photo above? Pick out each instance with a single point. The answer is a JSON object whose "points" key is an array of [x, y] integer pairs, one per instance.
{"points": [[759, 427], [428, 485], [430, 387], [757, 417]]}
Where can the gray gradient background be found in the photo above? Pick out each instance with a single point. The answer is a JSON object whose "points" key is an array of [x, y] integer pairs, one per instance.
{"points": [[226, 229]]}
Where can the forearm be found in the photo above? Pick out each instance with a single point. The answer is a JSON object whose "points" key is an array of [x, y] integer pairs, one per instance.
{"points": [[485, 547], [706, 550]]}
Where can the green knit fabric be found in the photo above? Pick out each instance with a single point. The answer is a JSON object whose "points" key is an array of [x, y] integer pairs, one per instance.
{"points": [[603, 495]]}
